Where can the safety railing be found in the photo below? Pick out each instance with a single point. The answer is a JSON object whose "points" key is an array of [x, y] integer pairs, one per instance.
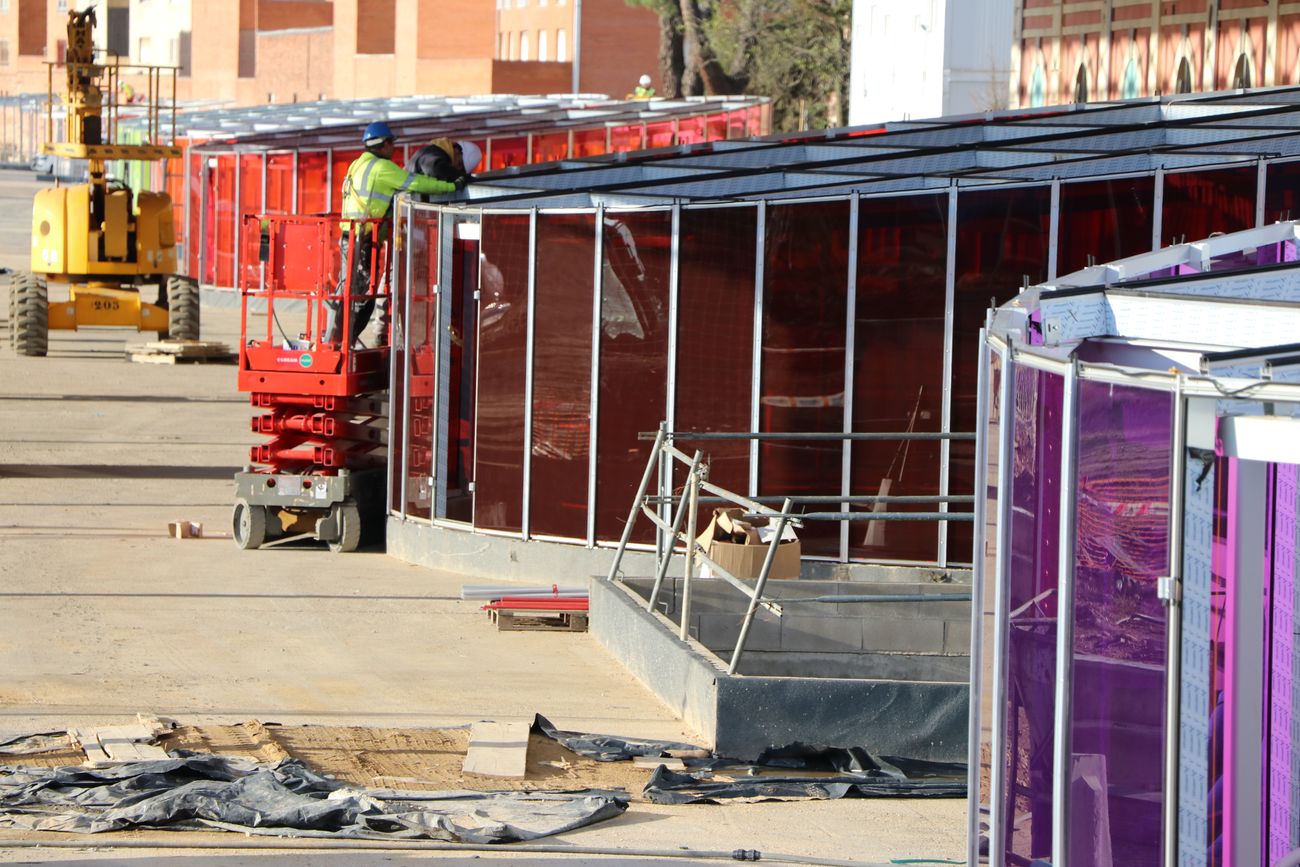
{"points": [[667, 511]]}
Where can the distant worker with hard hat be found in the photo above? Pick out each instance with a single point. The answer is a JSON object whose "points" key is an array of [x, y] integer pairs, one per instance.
{"points": [[643, 89], [446, 160], [372, 181]]}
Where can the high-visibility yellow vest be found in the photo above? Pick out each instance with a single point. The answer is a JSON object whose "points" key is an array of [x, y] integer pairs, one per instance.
{"points": [[372, 182]]}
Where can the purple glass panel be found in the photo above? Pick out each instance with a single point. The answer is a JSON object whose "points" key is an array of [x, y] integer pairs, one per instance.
{"points": [[636, 254], [1222, 581], [1031, 564], [421, 361], [499, 405], [1282, 192], [566, 254], [1279, 777], [1197, 204], [1102, 221], [990, 491], [805, 295], [715, 335], [902, 247], [1117, 721], [1001, 243]]}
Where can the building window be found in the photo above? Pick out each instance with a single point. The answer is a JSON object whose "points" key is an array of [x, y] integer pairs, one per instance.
{"points": [[561, 46], [1081, 85], [541, 46], [1128, 87], [1241, 76], [62, 6], [523, 45], [513, 43], [4, 7], [1183, 83], [4, 52]]}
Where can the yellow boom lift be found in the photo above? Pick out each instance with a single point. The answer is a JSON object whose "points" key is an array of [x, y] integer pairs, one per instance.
{"points": [[100, 238]]}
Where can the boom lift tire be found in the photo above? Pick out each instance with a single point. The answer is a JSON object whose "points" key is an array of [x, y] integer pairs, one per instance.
{"points": [[11, 324], [348, 518], [182, 308], [249, 525], [30, 314]]}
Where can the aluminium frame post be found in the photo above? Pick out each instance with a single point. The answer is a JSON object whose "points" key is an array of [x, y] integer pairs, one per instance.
{"points": [[1157, 209], [692, 505], [850, 350], [636, 502], [672, 535], [973, 742], [406, 368], [1174, 629], [756, 353], [1261, 187], [1054, 231], [760, 585], [1001, 566], [1065, 618], [525, 522], [949, 316], [597, 285]]}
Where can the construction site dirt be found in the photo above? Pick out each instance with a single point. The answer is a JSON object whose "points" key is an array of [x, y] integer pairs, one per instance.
{"points": [[373, 668]]}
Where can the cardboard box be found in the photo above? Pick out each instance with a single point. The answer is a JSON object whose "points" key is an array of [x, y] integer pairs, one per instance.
{"points": [[185, 530], [740, 546]]}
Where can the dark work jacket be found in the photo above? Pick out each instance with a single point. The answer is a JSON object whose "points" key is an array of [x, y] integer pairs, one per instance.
{"points": [[433, 161]]}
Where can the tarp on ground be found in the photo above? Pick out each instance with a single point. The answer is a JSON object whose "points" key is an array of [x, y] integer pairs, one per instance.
{"points": [[193, 791]]}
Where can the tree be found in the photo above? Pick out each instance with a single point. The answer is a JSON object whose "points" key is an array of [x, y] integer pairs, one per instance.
{"points": [[672, 61]]}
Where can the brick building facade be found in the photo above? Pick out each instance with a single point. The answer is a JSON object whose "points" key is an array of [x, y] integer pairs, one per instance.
{"points": [[1088, 50]]}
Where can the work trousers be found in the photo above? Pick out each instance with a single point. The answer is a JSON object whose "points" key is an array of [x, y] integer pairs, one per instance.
{"points": [[358, 285]]}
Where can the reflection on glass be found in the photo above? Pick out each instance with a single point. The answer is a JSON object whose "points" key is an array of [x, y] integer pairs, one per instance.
{"points": [[1197, 204], [635, 258], [805, 305], [499, 408], [279, 184], [902, 247], [313, 185], [1033, 538], [566, 255], [1102, 221], [1117, 729], [397, 397], [421, 360]]}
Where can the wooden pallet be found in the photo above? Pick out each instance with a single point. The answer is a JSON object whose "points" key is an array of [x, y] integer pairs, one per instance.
{"points": [[534, 621], [180, 352]]}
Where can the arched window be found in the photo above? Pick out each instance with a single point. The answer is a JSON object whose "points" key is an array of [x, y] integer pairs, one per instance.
{"points": [[523, 45], [1128, 86], [1241, 75], [561, 46], [1038, 86], [1183, 81], [541, 46], [1081, 84]]}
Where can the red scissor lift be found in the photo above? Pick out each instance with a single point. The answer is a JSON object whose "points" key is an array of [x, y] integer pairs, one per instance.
{"points": [[321, 472]]}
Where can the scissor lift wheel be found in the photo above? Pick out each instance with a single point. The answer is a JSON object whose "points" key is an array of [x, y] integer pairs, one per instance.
{"points": [[347, 517], [29, 314], [249, 525]]}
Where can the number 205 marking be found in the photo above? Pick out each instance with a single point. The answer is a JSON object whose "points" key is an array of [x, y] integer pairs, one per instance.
{"points": [[109, 304]]}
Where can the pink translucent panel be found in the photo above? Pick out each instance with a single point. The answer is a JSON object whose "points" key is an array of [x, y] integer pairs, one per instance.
{"points": [[902, 247], [754, 121], [589, 142], [194, 214], [660, 135], [636, 255], [716, 129], [340, 161], [550, 147], [736, 123], [1282, 782], [499, 408], [566, 250], [279, 184], [1197, 204], [626, 138], [422, 364], [1002, 240], [715, 335], [1223, 582], [1031, 585], [223, 214], [1117, 725], [313, 182], [397, 396], [507, 152], [690, 130], [1102, 221], [1282, 192], [805, 305]]}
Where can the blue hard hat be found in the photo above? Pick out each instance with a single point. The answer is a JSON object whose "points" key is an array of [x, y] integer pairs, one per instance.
{"points": [[375, 133]]}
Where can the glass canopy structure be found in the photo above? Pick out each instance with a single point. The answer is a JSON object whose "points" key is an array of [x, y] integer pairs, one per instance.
{"points": [[829, 282]]}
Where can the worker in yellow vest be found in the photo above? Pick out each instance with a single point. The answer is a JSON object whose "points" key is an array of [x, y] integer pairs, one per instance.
{"points": [[372, 182]]}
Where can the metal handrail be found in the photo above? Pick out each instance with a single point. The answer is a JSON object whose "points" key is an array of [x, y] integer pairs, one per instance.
{"points": [[811, 436]]}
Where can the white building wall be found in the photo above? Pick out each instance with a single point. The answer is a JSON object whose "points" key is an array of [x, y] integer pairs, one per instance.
{"points": [[925, 58], [156, 30]]}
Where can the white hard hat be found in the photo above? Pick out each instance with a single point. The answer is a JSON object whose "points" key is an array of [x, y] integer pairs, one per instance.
{"points": [[645, 81], [470, 155]]}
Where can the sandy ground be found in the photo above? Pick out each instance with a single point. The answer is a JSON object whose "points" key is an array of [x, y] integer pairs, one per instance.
{"points": [[102, 616]]}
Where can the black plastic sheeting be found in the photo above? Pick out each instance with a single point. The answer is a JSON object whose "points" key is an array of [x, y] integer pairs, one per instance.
{"points": [[710, 787], [611, 748], [201, 791]]}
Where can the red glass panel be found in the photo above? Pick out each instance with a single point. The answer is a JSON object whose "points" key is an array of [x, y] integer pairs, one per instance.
{"points": [[715, 335], [279, 184], [1282, 192], [589, 142], [690, 130], [1198, 204], [250, 184], [626, 138], [566, 249], [340, 161], [636, 254], [313, 182], [1002, 240], [508, 152], [194, 213], [736, 123], [902, 248], [806, 251], [1102, 221], [717, 127], [550, 147], [221, 228], [502, 337], [755, 120], [422, 364], [659, 135]]}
